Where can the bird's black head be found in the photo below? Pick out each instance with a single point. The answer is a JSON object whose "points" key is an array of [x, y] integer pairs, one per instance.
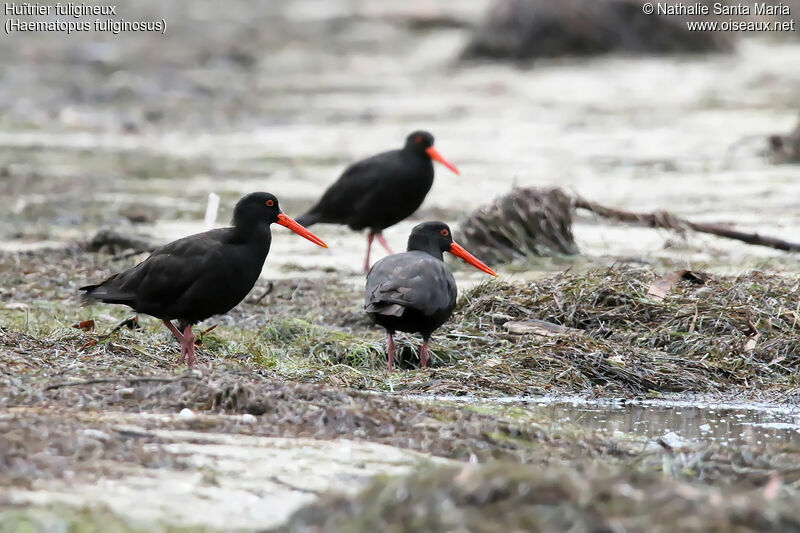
{"points": [[435, 238], [256, 208], [432, 237], [421, 142], [261, 208]]}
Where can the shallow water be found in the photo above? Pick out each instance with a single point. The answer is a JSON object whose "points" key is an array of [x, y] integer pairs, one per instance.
{"points": [[727, 426], [691, 421]]}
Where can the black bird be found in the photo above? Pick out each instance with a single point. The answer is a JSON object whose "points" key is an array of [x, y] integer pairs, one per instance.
{"points": [[380, 191], [414, 291], [197, 277]]}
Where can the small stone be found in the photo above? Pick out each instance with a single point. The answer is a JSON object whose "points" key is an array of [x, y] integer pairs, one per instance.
{"points": [[673, 441], [187, 413], [126, 392], [703, 293], [97, 434]]}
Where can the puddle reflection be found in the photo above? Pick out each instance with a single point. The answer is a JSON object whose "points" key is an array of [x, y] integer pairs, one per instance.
{"points": [[724, 423]]}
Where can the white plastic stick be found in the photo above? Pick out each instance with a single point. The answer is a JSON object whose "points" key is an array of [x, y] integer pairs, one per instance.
{"points": [[212, 208]]}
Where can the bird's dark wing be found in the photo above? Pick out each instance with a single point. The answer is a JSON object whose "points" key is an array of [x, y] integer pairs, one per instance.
{"points": [[163, 277], [412, 280], [357, 187]]}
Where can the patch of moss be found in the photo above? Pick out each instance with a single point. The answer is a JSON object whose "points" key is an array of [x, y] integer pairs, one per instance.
{"points": [[317, 345]]}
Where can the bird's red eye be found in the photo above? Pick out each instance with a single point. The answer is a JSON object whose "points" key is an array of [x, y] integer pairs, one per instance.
{"points": [[270, 203], [445, 233], [418, 139]]}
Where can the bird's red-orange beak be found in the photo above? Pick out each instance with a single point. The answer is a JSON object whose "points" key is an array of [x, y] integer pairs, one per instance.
{"points": [[457, 250], [287, 222], [436, 156]]}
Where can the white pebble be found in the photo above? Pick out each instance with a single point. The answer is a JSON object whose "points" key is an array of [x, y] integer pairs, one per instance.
{"points": [[673, 440], [187, 413], [97, 434]]}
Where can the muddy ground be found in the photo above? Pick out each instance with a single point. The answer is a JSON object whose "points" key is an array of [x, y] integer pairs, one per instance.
{"points": [[292, 410]]}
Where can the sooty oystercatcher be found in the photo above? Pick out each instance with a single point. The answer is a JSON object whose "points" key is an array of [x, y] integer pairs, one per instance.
{"points": [[380, 191], [197, 277], [414, 291]]}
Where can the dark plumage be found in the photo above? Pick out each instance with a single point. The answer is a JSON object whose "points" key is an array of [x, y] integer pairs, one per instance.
{"points": [[380, 191], [414, 291], [197, 277]]}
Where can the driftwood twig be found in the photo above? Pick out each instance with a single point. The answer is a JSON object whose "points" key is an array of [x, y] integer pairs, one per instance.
{"points": [[666, 220], [130, 323]]}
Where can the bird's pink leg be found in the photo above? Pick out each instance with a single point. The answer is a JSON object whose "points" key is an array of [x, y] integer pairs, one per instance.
{"points": [[182, 358], [370, 236], [173, 329], [178, 335], [390, 350], [423, 354], [188, 342], [382, 240]]}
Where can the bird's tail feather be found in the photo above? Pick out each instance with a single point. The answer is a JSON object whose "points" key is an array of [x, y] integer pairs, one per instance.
{"points": [[100, 292], [386, 308]]}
